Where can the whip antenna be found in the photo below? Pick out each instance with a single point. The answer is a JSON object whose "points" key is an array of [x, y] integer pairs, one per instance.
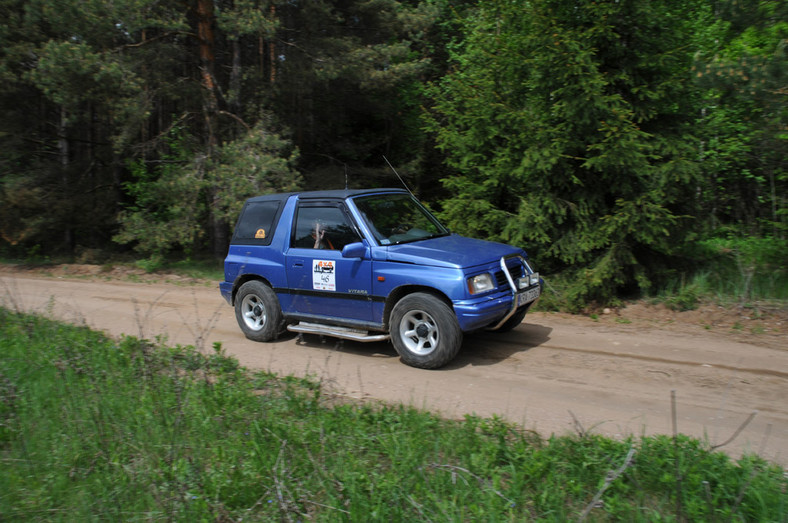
{"points": [[398, 176]]}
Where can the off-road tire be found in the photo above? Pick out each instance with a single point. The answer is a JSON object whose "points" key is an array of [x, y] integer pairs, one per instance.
{"points": [[425, 331], [257, 311]]}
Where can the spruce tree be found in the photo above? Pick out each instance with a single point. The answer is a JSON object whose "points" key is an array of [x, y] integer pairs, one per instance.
{"points": [[569, 127]]}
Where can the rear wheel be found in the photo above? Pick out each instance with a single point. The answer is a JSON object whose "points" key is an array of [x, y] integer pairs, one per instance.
{"points": [[425, 331], [257, 311]]}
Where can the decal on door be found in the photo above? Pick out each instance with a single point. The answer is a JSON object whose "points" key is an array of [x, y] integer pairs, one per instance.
{"points": [[323, 275]]}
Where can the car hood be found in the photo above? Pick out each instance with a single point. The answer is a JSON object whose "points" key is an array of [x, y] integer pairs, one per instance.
{"points": [[450, 251]]}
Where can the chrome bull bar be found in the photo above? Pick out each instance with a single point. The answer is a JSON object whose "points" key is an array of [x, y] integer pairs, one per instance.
{"points": [[533, 279]]}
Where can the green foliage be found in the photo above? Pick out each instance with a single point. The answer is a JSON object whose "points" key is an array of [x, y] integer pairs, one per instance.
{"points": [[22, 205], [70, 99], [732, 269], [97, 429], [350, 87], [72, 73], [746, 269], [259, 162], [568, 127], [167, 204], [743, 67], [170, 201], [247, 17], [685, 299]]}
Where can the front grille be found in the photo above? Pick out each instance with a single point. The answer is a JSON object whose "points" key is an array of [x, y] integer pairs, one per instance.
{"points": [[515, 271]]}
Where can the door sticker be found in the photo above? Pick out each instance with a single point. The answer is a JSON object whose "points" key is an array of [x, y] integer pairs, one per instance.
{"points": [[323, 275]]}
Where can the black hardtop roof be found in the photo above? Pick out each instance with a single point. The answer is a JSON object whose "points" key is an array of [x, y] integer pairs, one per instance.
{"points": [[337, 194]]}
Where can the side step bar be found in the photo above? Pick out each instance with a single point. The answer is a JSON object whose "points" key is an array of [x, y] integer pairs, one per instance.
{"points": [[336, 332]]}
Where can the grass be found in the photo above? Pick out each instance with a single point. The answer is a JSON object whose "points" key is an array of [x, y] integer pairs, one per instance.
{"points": [[98, 429], [730, 272], [198, 269], [204, 269]]}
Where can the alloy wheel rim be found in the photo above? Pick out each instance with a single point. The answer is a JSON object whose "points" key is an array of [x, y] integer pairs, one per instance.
{"points": [[253, 312], [419, 332]]}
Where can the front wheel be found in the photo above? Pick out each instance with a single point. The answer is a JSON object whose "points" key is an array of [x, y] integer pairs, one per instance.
{"points": [[425, 331], [257, 311]]}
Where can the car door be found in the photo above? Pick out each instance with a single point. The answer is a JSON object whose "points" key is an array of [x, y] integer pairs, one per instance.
{"points": [[323, 284]]}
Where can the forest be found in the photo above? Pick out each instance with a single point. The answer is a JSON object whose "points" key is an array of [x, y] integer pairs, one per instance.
{"points": [[623, 143]]}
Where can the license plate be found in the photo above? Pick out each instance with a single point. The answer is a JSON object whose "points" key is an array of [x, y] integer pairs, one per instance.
{"points": [[528, 296]]}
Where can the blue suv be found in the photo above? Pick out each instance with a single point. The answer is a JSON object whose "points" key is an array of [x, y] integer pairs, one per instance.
{"points": [[369, 265]]}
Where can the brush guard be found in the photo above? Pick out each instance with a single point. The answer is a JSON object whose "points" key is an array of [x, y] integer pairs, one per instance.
{"points": [[525, 290]]}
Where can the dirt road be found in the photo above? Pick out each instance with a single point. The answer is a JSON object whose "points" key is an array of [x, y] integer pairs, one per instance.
{"points": [[553, 374]]}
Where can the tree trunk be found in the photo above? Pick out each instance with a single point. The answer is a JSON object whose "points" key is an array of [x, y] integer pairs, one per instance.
{"points": [[272, 52], [235, 79], [63, 153], [207, 41]]}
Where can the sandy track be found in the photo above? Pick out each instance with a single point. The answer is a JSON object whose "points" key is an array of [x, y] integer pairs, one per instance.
{"points": [[553, 374]]}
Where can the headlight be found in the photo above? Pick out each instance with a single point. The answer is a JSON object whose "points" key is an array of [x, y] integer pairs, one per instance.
{"points": [[480, 283]]}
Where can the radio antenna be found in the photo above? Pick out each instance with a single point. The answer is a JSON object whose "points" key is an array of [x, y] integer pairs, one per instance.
{"points": [[346, 187], [398, 176]]}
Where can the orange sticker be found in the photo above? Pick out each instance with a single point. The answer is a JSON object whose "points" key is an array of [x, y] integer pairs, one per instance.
{"points": [[260, 233]]}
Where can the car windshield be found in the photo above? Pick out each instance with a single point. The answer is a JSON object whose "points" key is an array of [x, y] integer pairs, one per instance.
{"points": [[398, 218]]}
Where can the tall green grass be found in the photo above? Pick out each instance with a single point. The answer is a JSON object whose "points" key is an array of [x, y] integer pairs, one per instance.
{"points": [[745, 268], [97, 429], [728, 271]]}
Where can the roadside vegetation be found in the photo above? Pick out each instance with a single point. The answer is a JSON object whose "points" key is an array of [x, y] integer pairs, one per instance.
{"points": [[729, 272], [98, 429]]}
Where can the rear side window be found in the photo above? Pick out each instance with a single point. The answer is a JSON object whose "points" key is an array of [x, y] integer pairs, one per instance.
{"points": [[257, 223]]}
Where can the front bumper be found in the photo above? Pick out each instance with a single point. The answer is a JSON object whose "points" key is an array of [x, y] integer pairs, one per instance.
{"points": [[493, 311]]}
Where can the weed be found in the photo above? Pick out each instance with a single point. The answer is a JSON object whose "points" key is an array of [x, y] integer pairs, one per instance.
{"points": [[151, 264], [199, 269], [747, 268], [686, 299], [730, 270]]}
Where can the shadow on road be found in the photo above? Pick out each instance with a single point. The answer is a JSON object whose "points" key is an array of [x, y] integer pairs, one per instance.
{"points": [[489, 348], [479, 348]]}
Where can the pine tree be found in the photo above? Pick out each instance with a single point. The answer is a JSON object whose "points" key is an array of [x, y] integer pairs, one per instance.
{"points": [[569, 127]]}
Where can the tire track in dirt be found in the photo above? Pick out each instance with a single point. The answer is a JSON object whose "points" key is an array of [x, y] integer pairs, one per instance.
{"points": [[641, 357]]}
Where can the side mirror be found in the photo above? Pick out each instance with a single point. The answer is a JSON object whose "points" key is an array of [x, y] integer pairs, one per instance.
{"points": [[355, 250]]}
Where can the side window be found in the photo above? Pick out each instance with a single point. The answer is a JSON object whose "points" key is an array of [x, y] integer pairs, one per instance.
{"points": [[323, 227], [257, 222]]}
